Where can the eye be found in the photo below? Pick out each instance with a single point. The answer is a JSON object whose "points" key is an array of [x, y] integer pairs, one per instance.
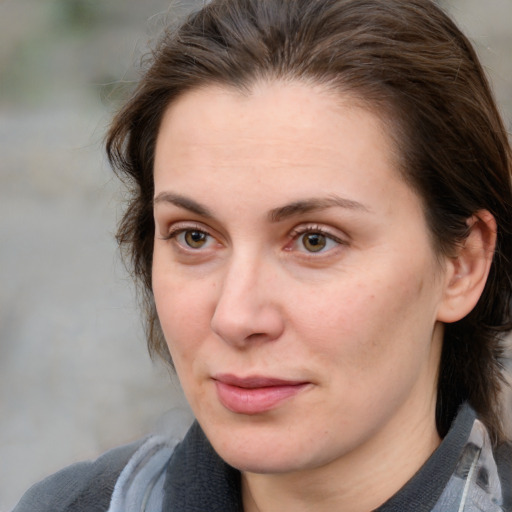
{"points": [[313, 239], [192, 238], [314, 242]]}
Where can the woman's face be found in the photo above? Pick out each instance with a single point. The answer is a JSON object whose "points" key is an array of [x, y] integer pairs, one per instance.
{"points": [[294, 277]]}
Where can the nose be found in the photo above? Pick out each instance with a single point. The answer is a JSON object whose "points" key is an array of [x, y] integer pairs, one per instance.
{"points": [[247, 308]]}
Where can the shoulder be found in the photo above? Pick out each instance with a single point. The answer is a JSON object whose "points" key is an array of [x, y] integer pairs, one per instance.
{"points": [[82, 487], [503, 457], [119, 474]]}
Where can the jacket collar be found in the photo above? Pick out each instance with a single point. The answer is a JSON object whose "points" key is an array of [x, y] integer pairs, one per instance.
{"points": [[198, 479]]}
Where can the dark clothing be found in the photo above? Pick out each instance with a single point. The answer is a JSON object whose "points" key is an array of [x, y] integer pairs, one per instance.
{"points": [[461, 475], [82, 487]]}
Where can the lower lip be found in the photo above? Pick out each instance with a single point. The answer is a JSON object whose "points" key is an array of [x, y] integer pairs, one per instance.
{"points": [[255, 400]]}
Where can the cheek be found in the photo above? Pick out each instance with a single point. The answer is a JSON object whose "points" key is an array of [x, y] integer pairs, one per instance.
{"points": [[183, 310], [366, 326]]}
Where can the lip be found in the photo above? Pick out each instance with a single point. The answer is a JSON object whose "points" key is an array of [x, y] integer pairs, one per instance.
{"points": [[255, 394]]}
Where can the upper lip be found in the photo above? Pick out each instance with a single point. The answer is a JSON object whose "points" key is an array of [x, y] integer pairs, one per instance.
{"points": [[255, 381]]}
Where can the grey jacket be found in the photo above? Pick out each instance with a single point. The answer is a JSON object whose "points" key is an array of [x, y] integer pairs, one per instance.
{"points": [[161, 474]]}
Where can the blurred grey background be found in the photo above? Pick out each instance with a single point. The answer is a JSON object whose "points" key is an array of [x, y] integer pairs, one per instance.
{"points": [[75, 378]]}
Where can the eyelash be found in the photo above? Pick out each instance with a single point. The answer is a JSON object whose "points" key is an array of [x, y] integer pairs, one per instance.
{"points": [[175, 231], [295, 236], [301, 231]]}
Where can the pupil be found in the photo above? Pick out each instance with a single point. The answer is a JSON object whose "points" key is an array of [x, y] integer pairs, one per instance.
{"points": [[314, 242]]}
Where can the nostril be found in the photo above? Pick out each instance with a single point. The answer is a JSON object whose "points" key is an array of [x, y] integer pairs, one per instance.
{"points": [[258, 325], [246, 310], [256, 336]]}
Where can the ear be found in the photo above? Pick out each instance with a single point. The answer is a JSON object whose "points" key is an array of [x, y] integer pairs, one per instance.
{"points": [[467, 271]]}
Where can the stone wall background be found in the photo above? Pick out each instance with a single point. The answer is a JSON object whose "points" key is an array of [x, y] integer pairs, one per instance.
{"points": [[75, 379]]}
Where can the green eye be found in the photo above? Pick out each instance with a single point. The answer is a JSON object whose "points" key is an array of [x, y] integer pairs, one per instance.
{"points": [[314, 242], [195, 239]]}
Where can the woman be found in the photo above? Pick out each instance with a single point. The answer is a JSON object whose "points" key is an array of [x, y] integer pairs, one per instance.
{"points": [[321, 221]]}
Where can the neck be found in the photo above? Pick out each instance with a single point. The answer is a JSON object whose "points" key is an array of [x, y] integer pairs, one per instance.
{"points": [[360, 481]]}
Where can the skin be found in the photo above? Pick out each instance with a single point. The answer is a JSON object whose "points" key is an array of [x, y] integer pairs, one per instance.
{"points": [[358, 321]]}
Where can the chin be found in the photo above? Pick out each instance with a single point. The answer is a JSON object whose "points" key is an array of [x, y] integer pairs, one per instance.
{"points": [[263, 463], [260, 449]]}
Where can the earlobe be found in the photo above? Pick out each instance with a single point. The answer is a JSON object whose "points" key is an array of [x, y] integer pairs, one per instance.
{"points": [[467, 271]]}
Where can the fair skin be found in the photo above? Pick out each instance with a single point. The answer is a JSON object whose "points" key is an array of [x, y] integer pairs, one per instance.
{"points": [[299, 293]]}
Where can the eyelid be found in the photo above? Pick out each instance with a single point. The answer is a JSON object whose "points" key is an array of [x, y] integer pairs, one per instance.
{"points": [[178, 227], [304, 229], [332, 234]]}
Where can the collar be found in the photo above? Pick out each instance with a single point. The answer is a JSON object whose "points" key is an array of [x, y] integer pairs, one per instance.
{"points": [[462, 468], [198, 479]]}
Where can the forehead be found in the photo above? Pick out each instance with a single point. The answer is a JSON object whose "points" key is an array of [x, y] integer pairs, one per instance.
{"points": [[242, 156], [280, 122]]}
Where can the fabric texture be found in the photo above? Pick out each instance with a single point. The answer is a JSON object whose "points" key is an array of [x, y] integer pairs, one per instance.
{"points": [[82, 487], [140, 485], [162, 474]]}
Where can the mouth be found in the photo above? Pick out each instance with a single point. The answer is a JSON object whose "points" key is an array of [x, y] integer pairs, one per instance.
{"points": [[255, 394]]}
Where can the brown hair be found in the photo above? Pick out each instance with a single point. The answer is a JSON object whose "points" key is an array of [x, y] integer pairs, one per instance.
{"points": [[404, 59]]}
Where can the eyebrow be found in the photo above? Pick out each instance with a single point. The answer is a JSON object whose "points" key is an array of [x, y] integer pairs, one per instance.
{"points": [[183, 202], [314, 204], [275, 215]]}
